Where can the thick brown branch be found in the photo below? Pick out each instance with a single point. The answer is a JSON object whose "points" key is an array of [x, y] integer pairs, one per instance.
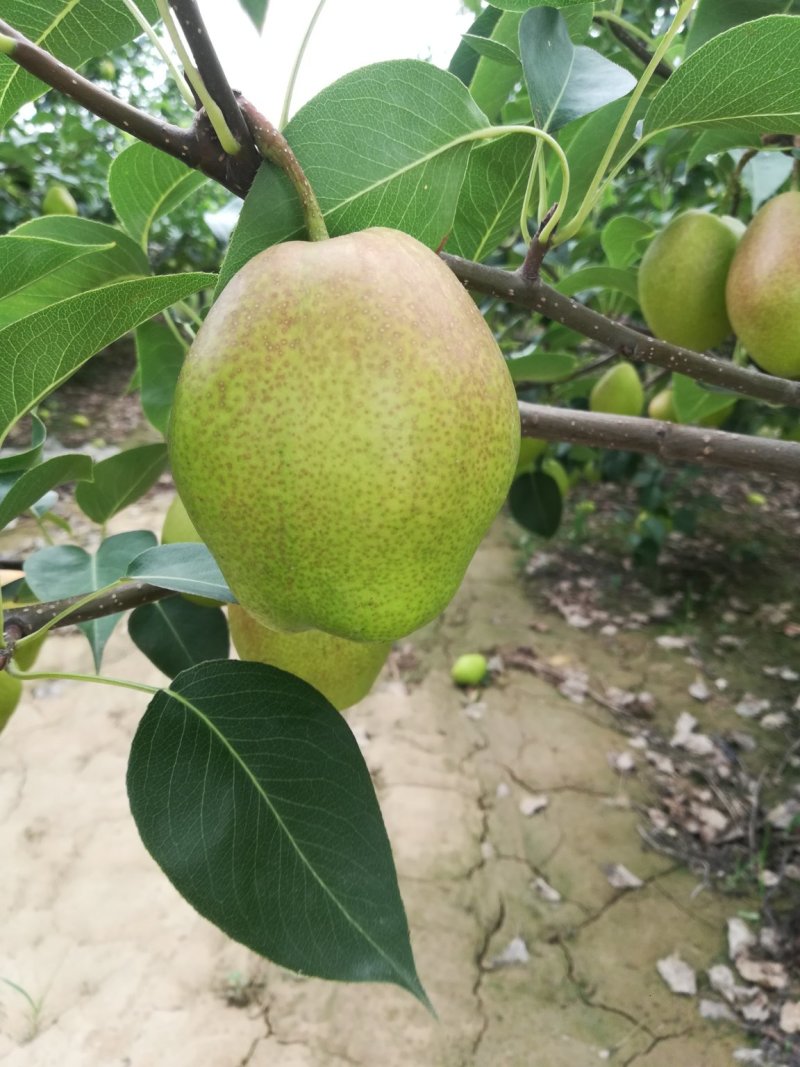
{"points": [[671, 443], [509, 285], [634, 45], [197, 146]]}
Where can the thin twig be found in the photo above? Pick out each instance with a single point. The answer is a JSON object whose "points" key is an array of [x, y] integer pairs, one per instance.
{"points": [[634, 46]]}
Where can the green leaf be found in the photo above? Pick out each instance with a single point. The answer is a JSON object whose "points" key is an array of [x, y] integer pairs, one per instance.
{"points": [[256, 10], [397, 165], [536, 503], [71, 31], [39, 352], [565, 82], [620, 239], [693, 402], [764, 175], [176, 634], [251, 794], [119, 257], [492, 83], [120, 480], [20, 461], [491, 197], [713, 17], [17, 494], [485, 46], [523, 5], [184, 567], [713, 142], [724, 84], [144, 184], [622, 281], [66, 570], [541, 367], [160, 357], [24, 260], [465, 58]]}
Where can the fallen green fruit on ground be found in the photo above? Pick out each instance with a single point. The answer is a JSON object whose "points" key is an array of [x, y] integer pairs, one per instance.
{"points": [[10, 692], [618, 392], [344, 431], [764, 287], [343, 671], [558, 474], [530, 448], [682, 279], [469, 669], [177, 528], [662, 407], [58, 200]]}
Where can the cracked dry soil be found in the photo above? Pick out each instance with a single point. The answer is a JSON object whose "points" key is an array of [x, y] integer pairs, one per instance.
{"points": [[123, 972]]}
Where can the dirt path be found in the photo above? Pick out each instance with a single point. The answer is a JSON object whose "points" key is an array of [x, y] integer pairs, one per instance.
{"points": [[125, 973]]}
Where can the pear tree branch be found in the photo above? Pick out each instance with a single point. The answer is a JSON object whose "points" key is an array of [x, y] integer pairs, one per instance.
{"points": [[632, 43]]}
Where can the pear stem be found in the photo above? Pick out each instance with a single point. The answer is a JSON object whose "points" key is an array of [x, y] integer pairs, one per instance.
{"points": [[274, 147]]}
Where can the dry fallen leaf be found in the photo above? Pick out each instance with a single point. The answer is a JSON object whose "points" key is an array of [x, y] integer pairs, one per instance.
{"points": [[790, 1017], [515, 952], [619, 877], [678, 975], [715, 1009], [698, 690], [757, 1010], [750, 707], [546, 891], [621, 762], [740, 937], [763, 972], [532, 805]]}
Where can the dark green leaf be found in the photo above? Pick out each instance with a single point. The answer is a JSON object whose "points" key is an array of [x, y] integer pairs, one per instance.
{"points": [[251, 794], [39, 352], [398, 165], [485, 46], [18, 493], [120, 480], [160, 357], [536, 503], [66, 570], [20, 461], [694, 403], [465, 59], [623, 281], [621, 239], [24, 260], [542, 367], [713, 17], [257, 10], [492, 83], [176, 634], [565, 82], [184, 567]]}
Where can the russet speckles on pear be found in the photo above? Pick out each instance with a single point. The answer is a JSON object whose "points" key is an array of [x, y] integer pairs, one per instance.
{"points": [[369, 434]]}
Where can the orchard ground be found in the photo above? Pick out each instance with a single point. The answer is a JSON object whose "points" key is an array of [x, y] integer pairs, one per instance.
{"points": [[557, 837]]}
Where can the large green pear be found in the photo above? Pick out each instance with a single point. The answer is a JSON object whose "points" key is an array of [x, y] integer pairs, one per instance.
{"points": [[618, 392], [342, 670], [764, 287], [344, 430], [682, 279]]}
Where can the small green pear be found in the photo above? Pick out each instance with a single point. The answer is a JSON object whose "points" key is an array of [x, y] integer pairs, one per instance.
{"points": [[58, 200], [763, 289], [343, 433], [530, 448], [662, 406], [177, 528], [682, 279], [10, 692], [343, 671], [618, 392], [469, 669], [557, 473]]}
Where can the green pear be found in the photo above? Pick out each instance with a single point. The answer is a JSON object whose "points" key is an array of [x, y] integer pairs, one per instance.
{"points": [[764, 287], [343, 433], [530, 448], [10, 692], [557, 473], [662, 406], [58, 200], [682, 279], [618, 392], [177, 528], [343, 671], [469, 669]]}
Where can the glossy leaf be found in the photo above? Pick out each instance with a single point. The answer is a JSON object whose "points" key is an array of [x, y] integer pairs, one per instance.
{"points": [[256, 10], [492, 83], [398, 165], [22, 460], [144, 184], [485, 46], [764, 175], [693, 402], [621, 239], [465, 58], [20, 492], [72, 32], [184, 567], [176, 634], [542, 367], [120, 480], [160, 357], [251, 794], [724, 84], [39, 352], [25, 260], [67, 570], [536, 503], [713, 17], [565, 82]]}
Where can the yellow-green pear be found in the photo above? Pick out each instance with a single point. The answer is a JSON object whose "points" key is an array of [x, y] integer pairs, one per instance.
{"points": [[618, 392], [177, 528], [10, 692], [469, 669], [344, 430], [662, 406], [530, 448], [58, 200], [343, 671], [682, 279], [764, 287]]}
